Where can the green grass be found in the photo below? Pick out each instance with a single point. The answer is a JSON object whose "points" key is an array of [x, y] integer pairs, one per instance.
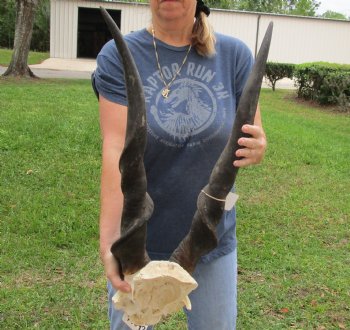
{"points": [[33, 58], [293, 228], [293, 214]]}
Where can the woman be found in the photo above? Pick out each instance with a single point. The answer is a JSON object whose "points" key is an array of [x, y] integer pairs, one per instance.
{"points": [[192, 80]]}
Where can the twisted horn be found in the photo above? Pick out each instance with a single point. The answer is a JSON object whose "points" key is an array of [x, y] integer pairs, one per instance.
{"points": [[202, 235], [130, 249]]}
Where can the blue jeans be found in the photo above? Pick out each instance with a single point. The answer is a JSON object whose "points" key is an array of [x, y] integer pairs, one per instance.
{"points": [[214, 302]]}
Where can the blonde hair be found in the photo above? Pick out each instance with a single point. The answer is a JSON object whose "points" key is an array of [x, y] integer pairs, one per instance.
{"points": [[203, 37]]}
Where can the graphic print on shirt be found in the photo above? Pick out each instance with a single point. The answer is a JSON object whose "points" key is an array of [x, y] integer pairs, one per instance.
{"points": [[189, 115]]}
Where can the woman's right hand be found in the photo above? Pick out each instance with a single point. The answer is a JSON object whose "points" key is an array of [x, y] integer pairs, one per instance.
{"points": [[112, 272]]}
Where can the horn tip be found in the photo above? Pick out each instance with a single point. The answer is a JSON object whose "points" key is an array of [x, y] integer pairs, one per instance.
{"points": [[270, 26]]}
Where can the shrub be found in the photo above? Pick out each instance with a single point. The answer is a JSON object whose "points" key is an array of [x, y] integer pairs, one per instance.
{"points": [[336, 89], [325, 83], [277, 71]]}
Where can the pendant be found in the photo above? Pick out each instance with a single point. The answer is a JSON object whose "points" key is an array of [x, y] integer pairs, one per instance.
{"points": [[165, 92]]}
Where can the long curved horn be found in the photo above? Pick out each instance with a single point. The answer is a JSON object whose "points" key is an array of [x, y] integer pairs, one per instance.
{"points": [[202, 235], [130, 249]]}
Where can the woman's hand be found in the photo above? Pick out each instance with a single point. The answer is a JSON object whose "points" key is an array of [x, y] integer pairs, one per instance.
{"points": [[112, 272], [253, 147]]}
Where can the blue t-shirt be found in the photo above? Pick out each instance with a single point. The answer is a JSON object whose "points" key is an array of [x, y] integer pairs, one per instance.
{"points": [[186, 131]]}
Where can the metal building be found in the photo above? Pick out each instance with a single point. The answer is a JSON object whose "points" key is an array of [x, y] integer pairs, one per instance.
{"points": [[77, 31]]}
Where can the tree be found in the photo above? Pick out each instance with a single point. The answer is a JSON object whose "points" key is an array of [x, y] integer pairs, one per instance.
{"points": [[223, 4], [41, 29], [25, 13], [7, 23], [333, 15], [277, 71], [303, 7], [290, 7], [270, 6]]}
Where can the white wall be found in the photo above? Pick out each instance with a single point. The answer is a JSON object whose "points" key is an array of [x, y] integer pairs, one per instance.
{"points": [[64, 22], [300, 40], [295, 39]]}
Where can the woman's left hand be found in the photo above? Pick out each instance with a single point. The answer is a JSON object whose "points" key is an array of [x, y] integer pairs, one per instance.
{"points": [[253, 147]]}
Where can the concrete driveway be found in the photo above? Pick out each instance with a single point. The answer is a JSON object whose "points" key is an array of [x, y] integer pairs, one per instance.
{"points": [[62, 68], [82, 69]]}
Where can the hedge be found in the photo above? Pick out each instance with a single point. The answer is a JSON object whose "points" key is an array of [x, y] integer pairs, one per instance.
{"points": [[325, 83]]}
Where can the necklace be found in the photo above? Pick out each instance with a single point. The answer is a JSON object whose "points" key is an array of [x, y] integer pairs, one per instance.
{"points": [[166, 89]]}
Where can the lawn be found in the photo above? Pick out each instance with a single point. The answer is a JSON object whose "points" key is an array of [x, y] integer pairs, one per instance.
{"points": [[293, 214], [33, 58]]}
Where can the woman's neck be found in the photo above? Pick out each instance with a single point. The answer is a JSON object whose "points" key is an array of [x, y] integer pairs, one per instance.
{"points": [[172, 33]]}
